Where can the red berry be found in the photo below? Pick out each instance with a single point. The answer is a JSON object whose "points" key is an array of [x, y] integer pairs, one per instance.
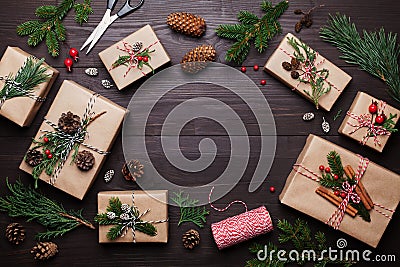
{"points": [[145, 58], [336, 177], [336, 192], [256, 67], [140, 58], [343, 194], [68, 63], [46, 139], [263, 82], [379, 119], [272, 189], [373, 108], [49, 156], [321, 167], [73, 52], [327, 169], [243, 69], [47, 152]]}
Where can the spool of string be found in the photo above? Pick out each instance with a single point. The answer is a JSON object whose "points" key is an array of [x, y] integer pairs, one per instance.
{"points": [[242, 227]]}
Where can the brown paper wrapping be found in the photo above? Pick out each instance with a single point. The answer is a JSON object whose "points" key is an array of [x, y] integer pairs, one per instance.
{"points": [[360, 106], [337, 77], [382, 185], [155, 200], [22, 110], [147, 36], [101, 134]]}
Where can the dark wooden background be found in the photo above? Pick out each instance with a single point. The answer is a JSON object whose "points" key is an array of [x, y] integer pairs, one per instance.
{"points": [[80, 247]]}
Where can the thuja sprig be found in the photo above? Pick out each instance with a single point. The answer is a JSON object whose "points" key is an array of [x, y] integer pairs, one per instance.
{"points": [[189, 211], [49, 27], [26, 202], [389, 123], [261, 30]]}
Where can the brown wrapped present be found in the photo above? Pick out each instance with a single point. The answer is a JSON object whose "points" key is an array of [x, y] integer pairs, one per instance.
{"points": [[361, 120], [303, 190], [22, 110], [72, 142], [152, 209], [282, 66], [134, 57]]}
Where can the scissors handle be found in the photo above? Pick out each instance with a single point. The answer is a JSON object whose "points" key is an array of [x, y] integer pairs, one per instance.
{"points": [[111, 4], [127, 8]]}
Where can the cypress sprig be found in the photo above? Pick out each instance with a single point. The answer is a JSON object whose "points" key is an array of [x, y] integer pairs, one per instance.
{"points": [[374, 52], [189, 211], [261, 30], [49, 27], [34, 206]]}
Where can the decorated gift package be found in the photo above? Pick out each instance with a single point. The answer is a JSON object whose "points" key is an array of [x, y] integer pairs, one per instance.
{"points": [[370, 121], [134, 57], [307, 72], [133, 216], [73, 141], [24, 84], [342, 189]]}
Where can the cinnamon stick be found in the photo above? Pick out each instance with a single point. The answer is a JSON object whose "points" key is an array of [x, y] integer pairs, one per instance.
{"points": [[328, 195], [360, 189]]}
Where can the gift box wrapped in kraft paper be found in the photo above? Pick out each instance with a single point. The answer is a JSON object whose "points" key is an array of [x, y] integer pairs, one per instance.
{"points": [[302, 77], [16, 103], [74, 139], [370, 121], [321, 189], [134, 57], [136, 216]]}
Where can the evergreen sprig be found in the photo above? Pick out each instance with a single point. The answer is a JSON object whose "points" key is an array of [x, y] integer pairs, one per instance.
{"points": [[374, 52], [49, 27], [300, 236], [124, 60], [189, 211], [335, 163], [24, 201], [261, 30]]}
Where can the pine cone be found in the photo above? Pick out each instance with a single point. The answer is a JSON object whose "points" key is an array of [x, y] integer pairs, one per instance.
{"points": [[69, 123], [187, 23], [44, 250], [295, 75], [132, 170], [287, 66], [298, 26], [34, 157], [191, 239], [197, 58], [295, 63], [15, 233], [84, 160]]}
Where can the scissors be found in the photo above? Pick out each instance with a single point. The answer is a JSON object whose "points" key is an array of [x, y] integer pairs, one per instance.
{"points": [[107, 20]]}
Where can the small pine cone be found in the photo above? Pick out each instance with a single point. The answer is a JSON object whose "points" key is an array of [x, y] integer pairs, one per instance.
{"points": [[34, 157], [295, 75], [69, 123], [191, 239], [187, 23], [298, 26], [295, 63], [197, 58], [137, 46], [308, 23], [298, 11], [15, 233], [84, 160], [132, 170], [44, 250], [287, 66]]}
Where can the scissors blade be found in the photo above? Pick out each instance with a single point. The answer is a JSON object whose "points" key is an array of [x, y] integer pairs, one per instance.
{"points": [[104, 20], [103, 27]]}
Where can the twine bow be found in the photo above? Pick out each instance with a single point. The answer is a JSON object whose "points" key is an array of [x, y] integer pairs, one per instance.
{"points": [[347, 188]]}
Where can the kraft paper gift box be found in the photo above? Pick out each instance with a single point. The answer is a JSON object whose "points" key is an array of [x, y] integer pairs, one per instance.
{"points": [[22, 110], [382, 185], [358, 110], [101, 134], [149, 39], [153, 200], [337, 78]]}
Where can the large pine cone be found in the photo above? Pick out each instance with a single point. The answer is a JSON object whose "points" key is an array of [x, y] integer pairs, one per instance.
{"points": [[197, 58], [15, 233], [44, 250], [33, 157], [132, 170], [187, 23], [191, 239], [69, 123], [84, 160]]}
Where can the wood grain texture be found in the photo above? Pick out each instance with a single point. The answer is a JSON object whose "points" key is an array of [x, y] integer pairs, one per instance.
{"points": [[80, 247]]}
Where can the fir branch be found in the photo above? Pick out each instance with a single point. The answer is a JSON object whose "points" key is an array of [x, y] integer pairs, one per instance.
{"points": [[389, 123], [374, 52], [338, 115], [362, 211], [189, 211], [261, 30], [26, 202], [335, 163], [51, 29]]}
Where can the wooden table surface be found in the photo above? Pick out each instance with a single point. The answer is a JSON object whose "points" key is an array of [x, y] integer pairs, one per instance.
{"points": [[80, 247]]}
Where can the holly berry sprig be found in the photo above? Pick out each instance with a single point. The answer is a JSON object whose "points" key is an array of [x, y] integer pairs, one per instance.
{"points": [[381, 119], [143, 58], [74, 53]]}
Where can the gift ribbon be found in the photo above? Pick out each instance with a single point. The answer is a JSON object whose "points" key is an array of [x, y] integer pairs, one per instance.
{"points": [[12, 84], [337, 217], [365, 120]]}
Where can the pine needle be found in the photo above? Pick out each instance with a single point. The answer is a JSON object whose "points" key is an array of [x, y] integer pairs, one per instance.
{"points": [[189, 211], [374, 52]]}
